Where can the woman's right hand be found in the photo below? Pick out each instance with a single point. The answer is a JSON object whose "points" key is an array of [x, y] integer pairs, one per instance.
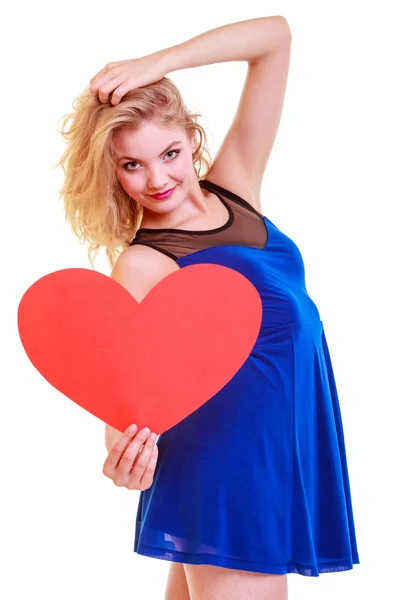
{"points": [[129, 467], [117, 78]]}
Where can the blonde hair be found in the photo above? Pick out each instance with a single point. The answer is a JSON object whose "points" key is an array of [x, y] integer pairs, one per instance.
{"points": [[96, 205]]}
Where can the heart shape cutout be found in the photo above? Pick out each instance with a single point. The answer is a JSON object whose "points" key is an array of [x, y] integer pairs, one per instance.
{"points": [[151, 363]]}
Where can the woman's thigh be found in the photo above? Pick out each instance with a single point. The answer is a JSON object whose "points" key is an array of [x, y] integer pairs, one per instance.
{"points": [[208, 582], [177, 588]]}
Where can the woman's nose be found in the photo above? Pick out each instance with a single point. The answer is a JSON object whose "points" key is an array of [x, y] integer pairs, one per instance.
{"points": [[157, 181]]}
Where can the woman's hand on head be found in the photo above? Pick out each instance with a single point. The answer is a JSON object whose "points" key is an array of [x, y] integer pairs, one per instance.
{"points": [[128, 464], [118, 78]]}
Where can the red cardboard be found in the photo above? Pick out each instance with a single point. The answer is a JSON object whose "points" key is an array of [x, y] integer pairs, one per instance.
{"points": [[151, 363]]}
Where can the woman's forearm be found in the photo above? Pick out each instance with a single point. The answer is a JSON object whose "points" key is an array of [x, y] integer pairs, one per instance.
{"points": [[243, 41]]}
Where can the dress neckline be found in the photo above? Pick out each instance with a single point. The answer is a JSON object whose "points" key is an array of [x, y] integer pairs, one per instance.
{"points": [[208, 185]]}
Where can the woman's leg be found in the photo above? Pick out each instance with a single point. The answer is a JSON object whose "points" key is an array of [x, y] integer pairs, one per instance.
{"points": [[208, 582], [177, 588]]}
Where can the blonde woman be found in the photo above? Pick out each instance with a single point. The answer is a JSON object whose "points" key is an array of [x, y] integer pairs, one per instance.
{"points": [[253, 485]]}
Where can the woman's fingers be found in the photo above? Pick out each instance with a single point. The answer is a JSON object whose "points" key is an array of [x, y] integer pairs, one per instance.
{"points": [[117, 451], [147, 478], [118, 78], [100, 77], [132, 460], [141, 463], [106, 81], [113, 86], [132, 454], [120, 89], [137, 456]]}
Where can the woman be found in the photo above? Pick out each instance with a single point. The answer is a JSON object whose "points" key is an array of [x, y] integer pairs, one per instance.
{"points": [[254, 484]]}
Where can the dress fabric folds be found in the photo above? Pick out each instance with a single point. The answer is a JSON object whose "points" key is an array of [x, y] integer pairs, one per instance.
{"points": [[257, 479]]}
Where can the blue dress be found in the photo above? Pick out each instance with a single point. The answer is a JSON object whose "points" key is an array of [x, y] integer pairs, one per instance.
{"points": [[256, 479]]}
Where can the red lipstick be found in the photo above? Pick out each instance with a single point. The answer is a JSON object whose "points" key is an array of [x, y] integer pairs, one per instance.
{"points": [[166, 194]]}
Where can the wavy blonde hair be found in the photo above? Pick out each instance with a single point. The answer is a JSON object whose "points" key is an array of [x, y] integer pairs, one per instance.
{"points": [[97, 207]]}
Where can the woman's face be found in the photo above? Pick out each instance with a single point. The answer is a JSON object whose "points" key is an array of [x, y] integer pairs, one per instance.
{"points": [[153, 160]]}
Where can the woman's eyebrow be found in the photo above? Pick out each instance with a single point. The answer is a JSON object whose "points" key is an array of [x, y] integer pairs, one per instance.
{"points": [[163, 152]]}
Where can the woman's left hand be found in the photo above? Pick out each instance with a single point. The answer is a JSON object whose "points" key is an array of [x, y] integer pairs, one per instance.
{"points": [[117, 78]]}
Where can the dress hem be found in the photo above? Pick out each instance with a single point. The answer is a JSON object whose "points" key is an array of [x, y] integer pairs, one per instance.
{"points": [[321, 567]]}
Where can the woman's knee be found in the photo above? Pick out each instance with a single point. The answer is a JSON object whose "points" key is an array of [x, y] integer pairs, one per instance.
{"points": [[209, 582]]}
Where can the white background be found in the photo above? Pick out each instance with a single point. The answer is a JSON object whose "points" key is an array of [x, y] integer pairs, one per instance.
{"points": [[331, 184]]}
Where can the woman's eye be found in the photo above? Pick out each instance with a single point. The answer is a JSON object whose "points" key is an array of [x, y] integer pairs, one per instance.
{"points": [[130, 163], [135, 163], [176, 151]]}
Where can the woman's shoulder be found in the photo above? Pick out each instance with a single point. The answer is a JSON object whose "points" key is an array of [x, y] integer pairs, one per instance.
{"points": [[139, 268], [142, 256]]}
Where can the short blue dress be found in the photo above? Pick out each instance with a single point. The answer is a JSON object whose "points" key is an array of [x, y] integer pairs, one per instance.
{"points": [[255, 479]]}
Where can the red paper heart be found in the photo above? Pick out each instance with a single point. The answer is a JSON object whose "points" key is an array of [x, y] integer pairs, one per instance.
{"points": [[150, 363]]}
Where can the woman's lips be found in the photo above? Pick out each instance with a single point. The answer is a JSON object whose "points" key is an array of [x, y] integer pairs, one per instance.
{"points": [[164, 195]]}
